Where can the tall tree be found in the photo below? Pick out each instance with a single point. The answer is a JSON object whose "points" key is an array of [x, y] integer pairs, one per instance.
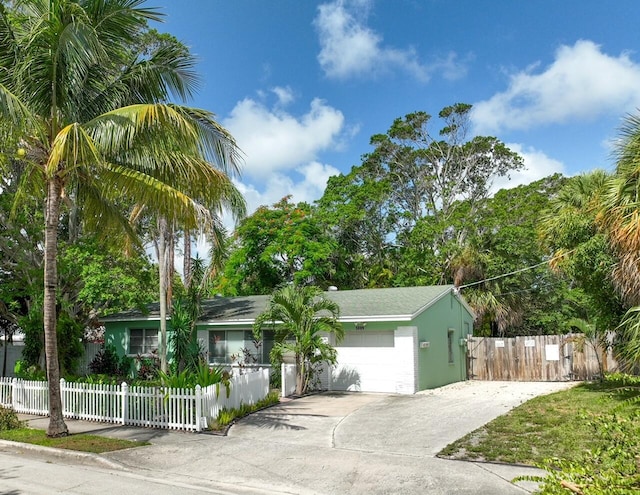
{"points": [[409, 190], [300, 315], [503, 239], [581, 250], [283, 243], [87, 109]]}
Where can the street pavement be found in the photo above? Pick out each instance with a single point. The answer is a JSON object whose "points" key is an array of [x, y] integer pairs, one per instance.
{"points": [[329, 443]]}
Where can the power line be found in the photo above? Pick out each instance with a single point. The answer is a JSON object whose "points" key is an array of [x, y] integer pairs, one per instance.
{"points": [[514, 272]]}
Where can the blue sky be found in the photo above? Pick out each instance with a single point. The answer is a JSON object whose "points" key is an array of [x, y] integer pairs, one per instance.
{"points": [[303, 85]]}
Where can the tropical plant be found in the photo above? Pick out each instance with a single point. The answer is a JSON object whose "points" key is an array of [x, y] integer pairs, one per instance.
{"points": [[619, 219], [186, 351], [299, 316], [203, 375], [86, 101], [107, 362]]}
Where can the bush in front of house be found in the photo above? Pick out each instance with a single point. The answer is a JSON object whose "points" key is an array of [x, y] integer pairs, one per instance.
{"points": [[107, 362]]}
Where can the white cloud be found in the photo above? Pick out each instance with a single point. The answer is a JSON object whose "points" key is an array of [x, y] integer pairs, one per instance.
{"points": [[285, 95], [274, 140], [307, 183], [350, 48], [537, 165], [581, 83]]}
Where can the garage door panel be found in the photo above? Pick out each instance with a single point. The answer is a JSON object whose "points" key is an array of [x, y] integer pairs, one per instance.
{"points": [[366, 369]]}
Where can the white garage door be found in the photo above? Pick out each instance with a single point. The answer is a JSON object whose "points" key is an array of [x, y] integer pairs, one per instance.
{"points": [[366, 363]]}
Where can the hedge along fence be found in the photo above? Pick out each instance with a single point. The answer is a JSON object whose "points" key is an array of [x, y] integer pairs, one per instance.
{"points": [[157, 407]]}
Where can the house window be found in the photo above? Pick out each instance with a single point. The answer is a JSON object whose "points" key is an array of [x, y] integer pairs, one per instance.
{"points": [[450, 344], [143, 340], [229, 346]]}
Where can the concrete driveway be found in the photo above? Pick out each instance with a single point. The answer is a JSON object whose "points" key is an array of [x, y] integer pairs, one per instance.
{"points": [[335, 443], [376, 443], [416, 425]]}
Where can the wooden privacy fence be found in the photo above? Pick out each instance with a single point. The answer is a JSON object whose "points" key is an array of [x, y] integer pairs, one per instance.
{"points": [[537, 358], [157, 407]]}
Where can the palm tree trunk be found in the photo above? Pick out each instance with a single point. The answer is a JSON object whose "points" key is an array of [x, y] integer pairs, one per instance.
{"points": [[171, 258], [186, 263], [300, 375], [57, 426], [162, 268]]}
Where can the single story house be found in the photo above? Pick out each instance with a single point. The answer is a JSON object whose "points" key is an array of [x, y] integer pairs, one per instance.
{"points": [[398, 340]]}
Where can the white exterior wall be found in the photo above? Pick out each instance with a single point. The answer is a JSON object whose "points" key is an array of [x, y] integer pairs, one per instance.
{"points": [[376, 366]]}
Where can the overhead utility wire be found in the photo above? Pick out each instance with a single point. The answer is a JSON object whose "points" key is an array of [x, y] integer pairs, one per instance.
{"points": [[514, 272]]}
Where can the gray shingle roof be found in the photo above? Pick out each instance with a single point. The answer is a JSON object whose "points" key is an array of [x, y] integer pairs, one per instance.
{"points": [[397, 303]]}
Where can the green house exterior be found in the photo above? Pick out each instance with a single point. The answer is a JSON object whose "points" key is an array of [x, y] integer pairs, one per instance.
{"points": [[398, 340]]}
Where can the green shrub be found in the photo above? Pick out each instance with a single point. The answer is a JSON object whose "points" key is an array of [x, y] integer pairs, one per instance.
{"points": [[203, 376], [227, 416], [107, 362], [9, 419], [148, 367], [206, 376], [29, 372]]}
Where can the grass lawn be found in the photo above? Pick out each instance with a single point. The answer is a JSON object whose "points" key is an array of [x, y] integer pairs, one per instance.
{"points": [[80, 442], [563, 425]]}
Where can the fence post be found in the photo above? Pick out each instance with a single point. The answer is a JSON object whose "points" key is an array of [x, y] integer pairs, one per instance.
{"points": [[198, 408], [62, 395], [329, 377], [283, 380], [124, 391], [14, 392]]}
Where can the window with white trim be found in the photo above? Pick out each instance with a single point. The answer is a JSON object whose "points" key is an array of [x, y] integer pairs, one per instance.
{"points": [[143, 340], [225, 345]]}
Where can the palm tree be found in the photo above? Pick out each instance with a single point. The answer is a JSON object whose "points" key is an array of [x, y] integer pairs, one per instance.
{"points": [[620, 213], [94, 132], [619, 218], [300, 315]]}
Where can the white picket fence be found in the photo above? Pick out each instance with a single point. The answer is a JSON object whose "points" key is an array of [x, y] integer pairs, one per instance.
{"points": [[157, 407]]}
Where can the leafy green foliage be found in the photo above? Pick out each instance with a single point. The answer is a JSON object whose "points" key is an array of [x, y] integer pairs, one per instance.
{"points": [[228, 416], [397, 217], [69, 332], [148, 367], [70, 348], [299, 315], [101, 279], [569, 229], [33, 327], [611, 469], [107, 362], [187, 378], [282, 243], [504, 240], [9, 419], [26, 371], [185, 347]]}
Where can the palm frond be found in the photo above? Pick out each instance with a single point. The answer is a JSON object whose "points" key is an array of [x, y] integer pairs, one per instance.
{"points": [[71, 148], [154, 194]]}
